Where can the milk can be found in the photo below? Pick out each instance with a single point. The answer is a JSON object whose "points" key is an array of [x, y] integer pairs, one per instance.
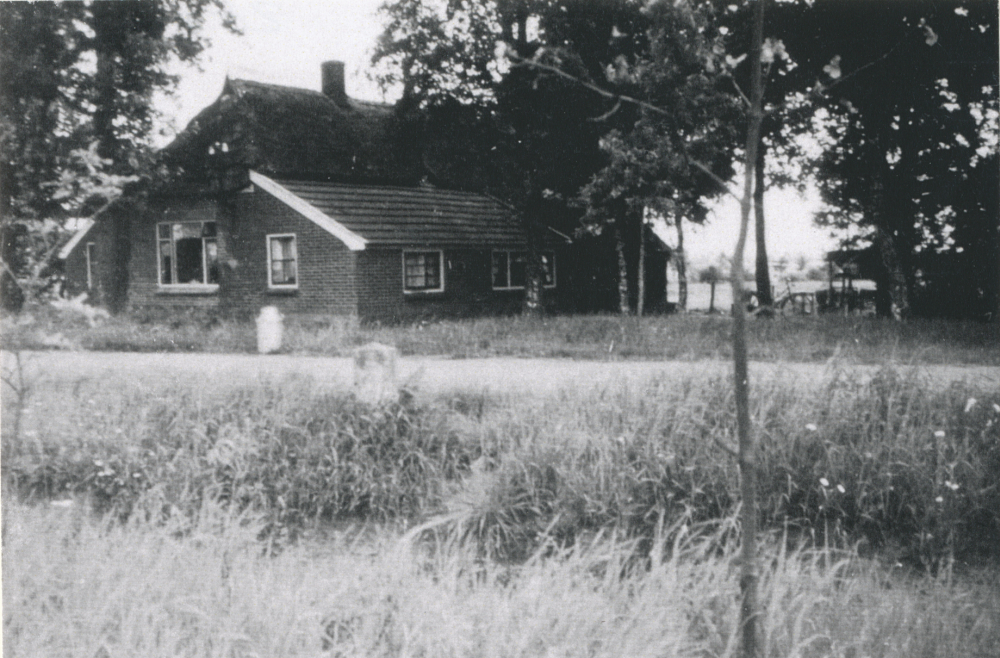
{"points": [[269, 330]]}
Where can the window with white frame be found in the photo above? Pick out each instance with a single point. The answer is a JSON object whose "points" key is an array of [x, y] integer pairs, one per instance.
{"points": [[187, 253], [423, 271], [91, 253], [510, 269], [283, 261]]}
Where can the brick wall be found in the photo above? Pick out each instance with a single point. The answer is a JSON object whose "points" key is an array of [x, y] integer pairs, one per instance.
{"points": [[325, 265], [75, 265], [332, 279], [144, 287], [467, 291], [326, 282]]}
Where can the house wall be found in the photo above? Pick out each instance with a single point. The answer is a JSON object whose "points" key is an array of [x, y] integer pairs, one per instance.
{"points": [[326, 282], [467, 287], [144, 286], [332, 279], [325, 265], [75, 265]]}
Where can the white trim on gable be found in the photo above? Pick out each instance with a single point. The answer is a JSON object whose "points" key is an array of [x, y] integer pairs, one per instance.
{"points": [[75, 240], [353, 241]]}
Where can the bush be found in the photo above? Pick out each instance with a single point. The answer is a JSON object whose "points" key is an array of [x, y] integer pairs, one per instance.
{"points": [[894, 462], [294, 457]]}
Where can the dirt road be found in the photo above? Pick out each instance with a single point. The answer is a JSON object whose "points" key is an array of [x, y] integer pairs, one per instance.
{"points": [[433, 375]]}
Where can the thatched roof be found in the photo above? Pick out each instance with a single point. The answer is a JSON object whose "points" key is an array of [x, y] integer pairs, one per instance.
{"points": [[292, 132]]}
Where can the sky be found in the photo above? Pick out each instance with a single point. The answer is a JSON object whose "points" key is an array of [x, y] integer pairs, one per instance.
{"points": [[285, 42]]}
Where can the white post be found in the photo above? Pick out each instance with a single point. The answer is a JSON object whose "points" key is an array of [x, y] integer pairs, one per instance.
{"points": [[375, 373], [269, 330]]}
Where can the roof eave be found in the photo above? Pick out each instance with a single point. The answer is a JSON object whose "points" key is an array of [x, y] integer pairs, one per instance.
{"points": [[351, 240], [68, 248]]}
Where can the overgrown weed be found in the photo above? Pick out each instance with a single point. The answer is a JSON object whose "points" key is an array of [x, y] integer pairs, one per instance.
{"points": [[904, 468], [686, 337], [76, 586]]}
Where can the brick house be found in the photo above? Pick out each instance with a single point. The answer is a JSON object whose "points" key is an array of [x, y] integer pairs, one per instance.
{"points": [[311, 202]]}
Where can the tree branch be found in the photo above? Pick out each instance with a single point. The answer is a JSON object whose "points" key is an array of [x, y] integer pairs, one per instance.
{"points": [[718, 181], [609, 113], [521, 61], [619, 98], [739, 90]]}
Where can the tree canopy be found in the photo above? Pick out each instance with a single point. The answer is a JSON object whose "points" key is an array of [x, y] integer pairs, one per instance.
{"points": [[79, 80], [907, 117]]}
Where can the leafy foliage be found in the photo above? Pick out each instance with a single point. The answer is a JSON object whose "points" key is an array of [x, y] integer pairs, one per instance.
{"points": [[909, 119], [77, 108]]}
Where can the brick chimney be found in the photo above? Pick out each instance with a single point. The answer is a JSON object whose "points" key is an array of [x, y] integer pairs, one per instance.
{"points": [[333, 82]]}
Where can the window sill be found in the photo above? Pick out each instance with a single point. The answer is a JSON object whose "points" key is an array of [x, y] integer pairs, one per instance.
{"points": [[189, 289], [520, 289], [423, 293], [283, 291]]}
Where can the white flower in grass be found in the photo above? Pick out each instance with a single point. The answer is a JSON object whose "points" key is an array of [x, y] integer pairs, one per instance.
{"points": [[996, 407], [939, 434], [951, 485], [939, 499], [969, 404], [824, 482], [841, 488], [811, 427], [62, 503]]}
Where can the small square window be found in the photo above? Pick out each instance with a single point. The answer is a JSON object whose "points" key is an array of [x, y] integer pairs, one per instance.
{"points": [[422, 271], [283, 259], [510, 269]]}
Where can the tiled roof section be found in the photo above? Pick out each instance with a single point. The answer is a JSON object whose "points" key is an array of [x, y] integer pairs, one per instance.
{"points": [[413, 216], [293, 132]]}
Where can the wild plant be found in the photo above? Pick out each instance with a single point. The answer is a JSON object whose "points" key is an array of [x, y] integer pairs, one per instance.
{"points": [[77, 585], [899, 465]]}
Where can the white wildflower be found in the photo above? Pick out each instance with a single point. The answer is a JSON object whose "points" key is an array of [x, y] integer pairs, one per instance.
{"points": [[811, 427], [841, 488], [824, 482], [969, 404], [939, 434], [939, 499]]}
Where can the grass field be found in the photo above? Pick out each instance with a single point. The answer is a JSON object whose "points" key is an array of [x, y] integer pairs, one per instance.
{"points": [[283, 519], [678, 337]]}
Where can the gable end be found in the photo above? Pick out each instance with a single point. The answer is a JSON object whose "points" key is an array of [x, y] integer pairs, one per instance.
{"points": [[75, 240], [352, 240]]}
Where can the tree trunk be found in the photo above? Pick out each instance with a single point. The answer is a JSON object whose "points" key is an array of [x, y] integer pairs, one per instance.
{"points": [[747, 455], [891, 298], [623, 305], [711, 299], [534, 303], [681, 264], [895, 300], [763, 276], [113, 271], [105, 110], [640, 303]]}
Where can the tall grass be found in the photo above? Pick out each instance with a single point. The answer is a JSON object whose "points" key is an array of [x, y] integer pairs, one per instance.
{"points": [[905, 468], [74, 586], [683, 337]]}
